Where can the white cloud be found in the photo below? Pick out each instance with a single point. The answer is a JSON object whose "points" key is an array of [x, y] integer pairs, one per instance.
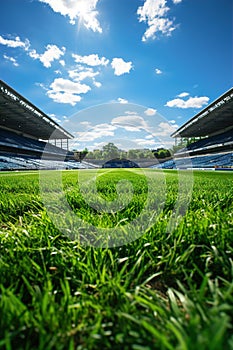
{"points": [[122, 100], [17, 42], [60, 84], [53, 116], [64, 97], [67, 91], [176, 1], [97, 84], [150, 111], [80, 75], [62, 63], [131, 112], [165, 129], [91, 60], [183, 94], [149, 137], [146, 143], [154, 13], [83, 10], [120, 66], [192, 102], [86, 124], [98, 145], [130, 122], [152, 9], [95, 132], [158, 71], [51, 53], [74, 145], [11, 59], [163, 25], [42, 86]]}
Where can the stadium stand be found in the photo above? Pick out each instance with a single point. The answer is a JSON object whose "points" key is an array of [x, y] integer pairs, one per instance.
{"points": [[219, 142], [25, 131], [10, 162], [213, 127], [24, 134], [214, 161], [13, 141]]}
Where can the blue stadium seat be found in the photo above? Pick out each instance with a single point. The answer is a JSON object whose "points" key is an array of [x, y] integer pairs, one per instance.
{"points": [[217, 140], [204, 161], [13, 140]]}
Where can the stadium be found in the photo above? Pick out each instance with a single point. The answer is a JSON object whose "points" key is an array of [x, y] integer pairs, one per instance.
{"points": [[132, 259], [208, 136], [25, 131], [24, 134]]}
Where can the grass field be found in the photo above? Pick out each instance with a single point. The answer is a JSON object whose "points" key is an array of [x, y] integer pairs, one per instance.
{"points": [[168, 289]]}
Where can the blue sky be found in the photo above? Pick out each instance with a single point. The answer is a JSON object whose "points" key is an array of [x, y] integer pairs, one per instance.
{"points": [[68, 56]]}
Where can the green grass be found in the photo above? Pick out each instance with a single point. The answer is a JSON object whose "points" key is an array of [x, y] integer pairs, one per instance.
{"points": [[168, 289]]}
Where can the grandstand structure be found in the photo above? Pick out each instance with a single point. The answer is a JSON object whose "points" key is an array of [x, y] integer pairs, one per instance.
{"points": [[30, 139], [209, 138]]}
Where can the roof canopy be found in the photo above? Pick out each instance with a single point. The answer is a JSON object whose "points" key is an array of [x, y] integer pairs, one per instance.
{"points": [[214, 119], [20, 115]]}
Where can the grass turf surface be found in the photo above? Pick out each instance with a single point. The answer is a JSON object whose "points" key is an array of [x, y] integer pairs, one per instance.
{"points": [[165, 290]]}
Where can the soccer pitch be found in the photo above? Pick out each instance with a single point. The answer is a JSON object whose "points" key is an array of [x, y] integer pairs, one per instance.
{"points": [[116, 259]]}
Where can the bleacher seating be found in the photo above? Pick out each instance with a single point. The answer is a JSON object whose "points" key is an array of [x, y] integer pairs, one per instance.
{"points": [[24, 153], [27, 163], [13, 140], [210, 142], [204, 161]]}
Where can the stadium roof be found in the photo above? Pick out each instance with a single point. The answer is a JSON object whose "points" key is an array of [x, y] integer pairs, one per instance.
{"points": [[20, 115], [214, 119]]}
